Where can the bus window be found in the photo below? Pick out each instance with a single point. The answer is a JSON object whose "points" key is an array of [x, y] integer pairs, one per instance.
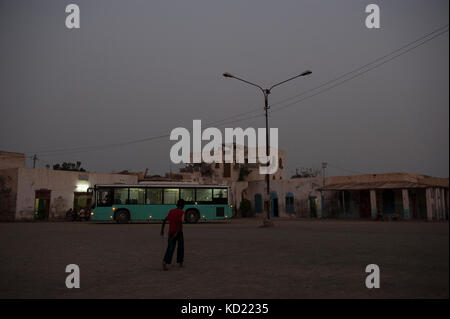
{"points": [[137, 196], [104, 197], [154, 196], [120, 196], [204, 195], [171, 195], [220, 196], [188, 195]]}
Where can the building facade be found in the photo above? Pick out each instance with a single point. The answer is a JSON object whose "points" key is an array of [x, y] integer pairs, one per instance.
{"points": [[26, 192], [402, 196]]}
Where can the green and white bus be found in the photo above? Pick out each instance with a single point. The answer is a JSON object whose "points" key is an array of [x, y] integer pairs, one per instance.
{"points": [[147, 202]]}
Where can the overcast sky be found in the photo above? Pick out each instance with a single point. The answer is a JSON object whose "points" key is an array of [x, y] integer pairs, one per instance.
{"points": [[138, 69]]}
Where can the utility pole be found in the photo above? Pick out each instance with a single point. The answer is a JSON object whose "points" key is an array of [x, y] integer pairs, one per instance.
{"points": [[324, 167], [322, 193], [35, 158], [266, 93]]}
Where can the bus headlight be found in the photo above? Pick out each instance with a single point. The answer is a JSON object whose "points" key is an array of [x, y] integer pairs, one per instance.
{"points": [[113, 208], [92, 213]]}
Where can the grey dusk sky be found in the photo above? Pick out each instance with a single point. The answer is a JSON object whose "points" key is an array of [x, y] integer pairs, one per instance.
{"points": [[138, 69]]}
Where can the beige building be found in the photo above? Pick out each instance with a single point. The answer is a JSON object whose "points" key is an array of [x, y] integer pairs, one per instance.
{"points": [[393, 195], [11, 160], [373, 196], [236, 175], [27, 191]]}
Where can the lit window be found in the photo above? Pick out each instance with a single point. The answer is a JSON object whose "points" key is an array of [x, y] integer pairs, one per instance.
{"points": [[137, 196], [154, 196], [204, 194], [171, 195]]}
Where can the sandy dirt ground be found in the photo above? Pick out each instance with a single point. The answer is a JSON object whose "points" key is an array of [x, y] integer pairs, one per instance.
{"points": [[294, 259]]}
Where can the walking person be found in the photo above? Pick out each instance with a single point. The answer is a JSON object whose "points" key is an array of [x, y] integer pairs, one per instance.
{"points": [[175, 219]]}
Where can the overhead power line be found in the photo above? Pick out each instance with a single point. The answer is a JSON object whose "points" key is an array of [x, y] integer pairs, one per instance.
{"points": [[438, 30], [232, 119], [346, 170], [360, 73]]}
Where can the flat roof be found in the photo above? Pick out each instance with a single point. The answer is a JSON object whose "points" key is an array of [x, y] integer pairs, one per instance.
{"points": [[179, 185]]}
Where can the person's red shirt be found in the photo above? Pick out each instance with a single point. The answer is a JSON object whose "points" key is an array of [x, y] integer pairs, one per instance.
{"points": [[174, 218]]}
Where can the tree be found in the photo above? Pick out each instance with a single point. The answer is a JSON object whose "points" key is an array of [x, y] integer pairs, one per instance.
{"points": [[68, 166], [244, 171]]}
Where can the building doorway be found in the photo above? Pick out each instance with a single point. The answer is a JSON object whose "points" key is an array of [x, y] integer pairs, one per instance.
{"points": [[364, 204], [274, 204], [42, 204], [82, 201], [418, 203], [313, 206], [388, 201]]}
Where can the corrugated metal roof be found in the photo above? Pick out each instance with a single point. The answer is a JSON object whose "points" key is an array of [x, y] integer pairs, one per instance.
{"points": [[384, 185]]}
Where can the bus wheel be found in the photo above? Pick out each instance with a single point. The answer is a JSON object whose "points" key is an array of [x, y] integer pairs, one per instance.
{"points": [[122, 216], [192, 216]]}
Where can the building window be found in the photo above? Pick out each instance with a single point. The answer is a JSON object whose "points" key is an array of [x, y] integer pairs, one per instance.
{"points": [[289, 203], [227, 170]]}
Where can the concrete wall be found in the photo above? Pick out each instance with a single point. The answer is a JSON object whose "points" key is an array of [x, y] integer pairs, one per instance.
{"points": [[434, 205], [8, 193], [238, 192], [62, 185], [216, 176], [301, 188], [11, 160]]}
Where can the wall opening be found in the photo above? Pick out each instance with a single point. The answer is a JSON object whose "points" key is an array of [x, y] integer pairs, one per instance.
{"points": [[42, 204]]}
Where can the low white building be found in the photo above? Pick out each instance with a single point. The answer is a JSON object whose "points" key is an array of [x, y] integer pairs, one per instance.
{"points": [[27, 191], [371, 196]]}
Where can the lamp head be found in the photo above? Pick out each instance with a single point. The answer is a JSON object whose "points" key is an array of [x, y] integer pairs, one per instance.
{"points": [[307, 72], [228, 75]]}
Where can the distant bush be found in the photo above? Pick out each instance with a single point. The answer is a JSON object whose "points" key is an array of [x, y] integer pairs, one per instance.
{"points": [[246, 208], [67, 166]]}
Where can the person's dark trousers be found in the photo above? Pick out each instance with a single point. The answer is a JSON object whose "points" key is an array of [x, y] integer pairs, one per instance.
{"points": [[173, 239]]}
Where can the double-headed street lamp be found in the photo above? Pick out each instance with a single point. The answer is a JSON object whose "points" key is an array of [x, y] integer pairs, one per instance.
{"points": [[266, 93]]}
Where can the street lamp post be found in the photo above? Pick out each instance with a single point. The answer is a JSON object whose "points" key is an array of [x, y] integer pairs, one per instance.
{"points": [[266, 93]]}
